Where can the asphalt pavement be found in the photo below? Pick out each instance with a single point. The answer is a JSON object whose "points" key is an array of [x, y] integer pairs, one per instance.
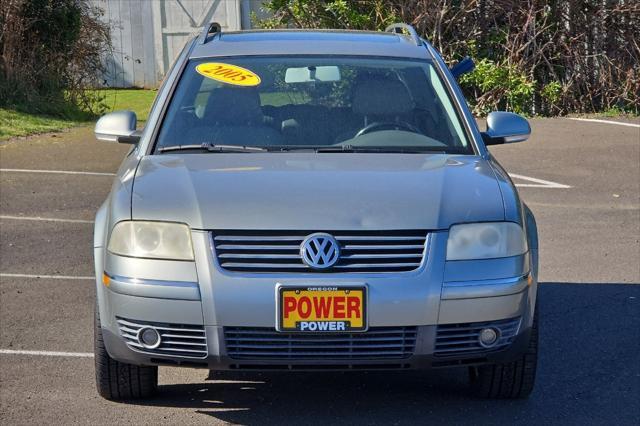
{"points": [[580, 178]]}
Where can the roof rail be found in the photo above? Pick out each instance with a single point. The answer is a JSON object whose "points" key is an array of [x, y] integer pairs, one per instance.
{"points": [[212, 28], [400, 27]]}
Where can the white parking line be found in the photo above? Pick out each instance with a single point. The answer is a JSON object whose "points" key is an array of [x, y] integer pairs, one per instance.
{"points": [[44, 219], [55, 277], [595, 120], [538, 183], [62, 172], [46, 353]]}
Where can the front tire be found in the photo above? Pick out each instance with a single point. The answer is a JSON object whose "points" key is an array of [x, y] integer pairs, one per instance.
{"points": [[117, 380], [510, 380]]}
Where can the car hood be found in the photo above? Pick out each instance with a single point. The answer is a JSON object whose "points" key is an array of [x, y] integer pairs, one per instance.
{"points": [[309, 191]]}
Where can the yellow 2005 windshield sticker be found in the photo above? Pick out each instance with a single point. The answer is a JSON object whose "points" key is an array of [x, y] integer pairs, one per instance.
{"points": [[227, 73]]}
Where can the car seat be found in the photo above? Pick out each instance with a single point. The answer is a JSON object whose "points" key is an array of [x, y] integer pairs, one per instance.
{"points": [[234, 116]]}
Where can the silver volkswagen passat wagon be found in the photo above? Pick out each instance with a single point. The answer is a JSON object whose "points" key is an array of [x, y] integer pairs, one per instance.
{"points": [[313, 200]]}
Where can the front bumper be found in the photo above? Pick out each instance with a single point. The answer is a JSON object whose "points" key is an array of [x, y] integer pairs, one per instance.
{"points": [[217, 358], [438, 294]]}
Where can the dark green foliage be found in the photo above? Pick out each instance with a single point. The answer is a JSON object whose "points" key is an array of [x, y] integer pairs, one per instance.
{"points": [[351, 14], [50, 51]]}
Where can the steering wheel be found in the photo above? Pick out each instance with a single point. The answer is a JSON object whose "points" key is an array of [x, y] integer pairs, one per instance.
{"points": [[387, 125]]}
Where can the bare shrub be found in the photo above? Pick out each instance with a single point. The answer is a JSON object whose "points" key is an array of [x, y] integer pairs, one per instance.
{"points": [[51, 51]]}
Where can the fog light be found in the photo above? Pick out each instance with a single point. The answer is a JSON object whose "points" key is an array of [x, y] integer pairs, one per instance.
{"points": [[149, 337], [488, 337]]}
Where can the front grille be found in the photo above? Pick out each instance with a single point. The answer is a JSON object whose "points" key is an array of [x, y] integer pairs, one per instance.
{"points": [[343, 366], [462, 339], [279, 251], [177, 340], [249, 343]]}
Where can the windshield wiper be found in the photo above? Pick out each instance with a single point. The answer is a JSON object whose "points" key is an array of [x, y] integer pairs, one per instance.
{"points": [[208, 147], [386, 149]]}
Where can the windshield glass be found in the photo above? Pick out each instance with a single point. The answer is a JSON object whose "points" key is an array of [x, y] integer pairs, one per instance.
{"points": [[327, 104]]}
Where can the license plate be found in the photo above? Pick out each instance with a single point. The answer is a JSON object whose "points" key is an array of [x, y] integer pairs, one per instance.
{"points": [[323, 309]]}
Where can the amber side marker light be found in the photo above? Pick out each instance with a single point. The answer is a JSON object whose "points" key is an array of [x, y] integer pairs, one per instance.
{"points": [[106, 280]]}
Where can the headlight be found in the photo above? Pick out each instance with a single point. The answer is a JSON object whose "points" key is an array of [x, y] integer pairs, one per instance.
{"points": [[157, 240], [485, 241]]}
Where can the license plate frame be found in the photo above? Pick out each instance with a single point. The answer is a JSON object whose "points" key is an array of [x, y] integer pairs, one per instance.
{"points": [[317, 290]]}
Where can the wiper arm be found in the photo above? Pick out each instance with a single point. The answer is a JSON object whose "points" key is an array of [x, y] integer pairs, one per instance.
{"points": [[208, 147]]}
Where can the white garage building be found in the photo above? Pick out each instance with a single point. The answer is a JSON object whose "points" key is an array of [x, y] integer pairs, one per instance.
{"points": [[148, 34]]}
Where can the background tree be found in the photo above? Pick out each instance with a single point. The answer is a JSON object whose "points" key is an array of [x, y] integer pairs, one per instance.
{"points": [[50, 51], [533, 56]]}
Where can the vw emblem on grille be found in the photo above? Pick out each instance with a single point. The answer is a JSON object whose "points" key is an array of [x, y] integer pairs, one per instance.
{"points": [[320, 251]]}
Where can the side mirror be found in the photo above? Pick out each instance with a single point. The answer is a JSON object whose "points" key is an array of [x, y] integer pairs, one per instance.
{"points": [[505, 127], [462, 67], [118, 126]]}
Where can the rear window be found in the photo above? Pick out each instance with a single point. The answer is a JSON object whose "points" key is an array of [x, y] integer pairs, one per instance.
{"points": [[313, 102]]}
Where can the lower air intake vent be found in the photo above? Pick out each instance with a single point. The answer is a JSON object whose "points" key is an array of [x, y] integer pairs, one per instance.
{"points": [[176, 340], [267, 344], [464, 339]]}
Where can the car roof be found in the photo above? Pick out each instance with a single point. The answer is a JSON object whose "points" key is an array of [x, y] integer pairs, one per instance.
{"points": [[309, 42]]}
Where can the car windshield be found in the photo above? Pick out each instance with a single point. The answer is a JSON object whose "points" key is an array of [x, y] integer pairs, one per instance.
{"points": [[327, 104]]}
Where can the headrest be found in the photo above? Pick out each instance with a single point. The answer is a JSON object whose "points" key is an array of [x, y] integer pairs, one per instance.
{"points": [[234, 106], [381, 97]]}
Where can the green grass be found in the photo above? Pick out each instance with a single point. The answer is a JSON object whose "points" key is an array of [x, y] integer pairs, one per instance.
{"points": [[138, 101], [14, 123], [617, 112], [614, 112]]}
